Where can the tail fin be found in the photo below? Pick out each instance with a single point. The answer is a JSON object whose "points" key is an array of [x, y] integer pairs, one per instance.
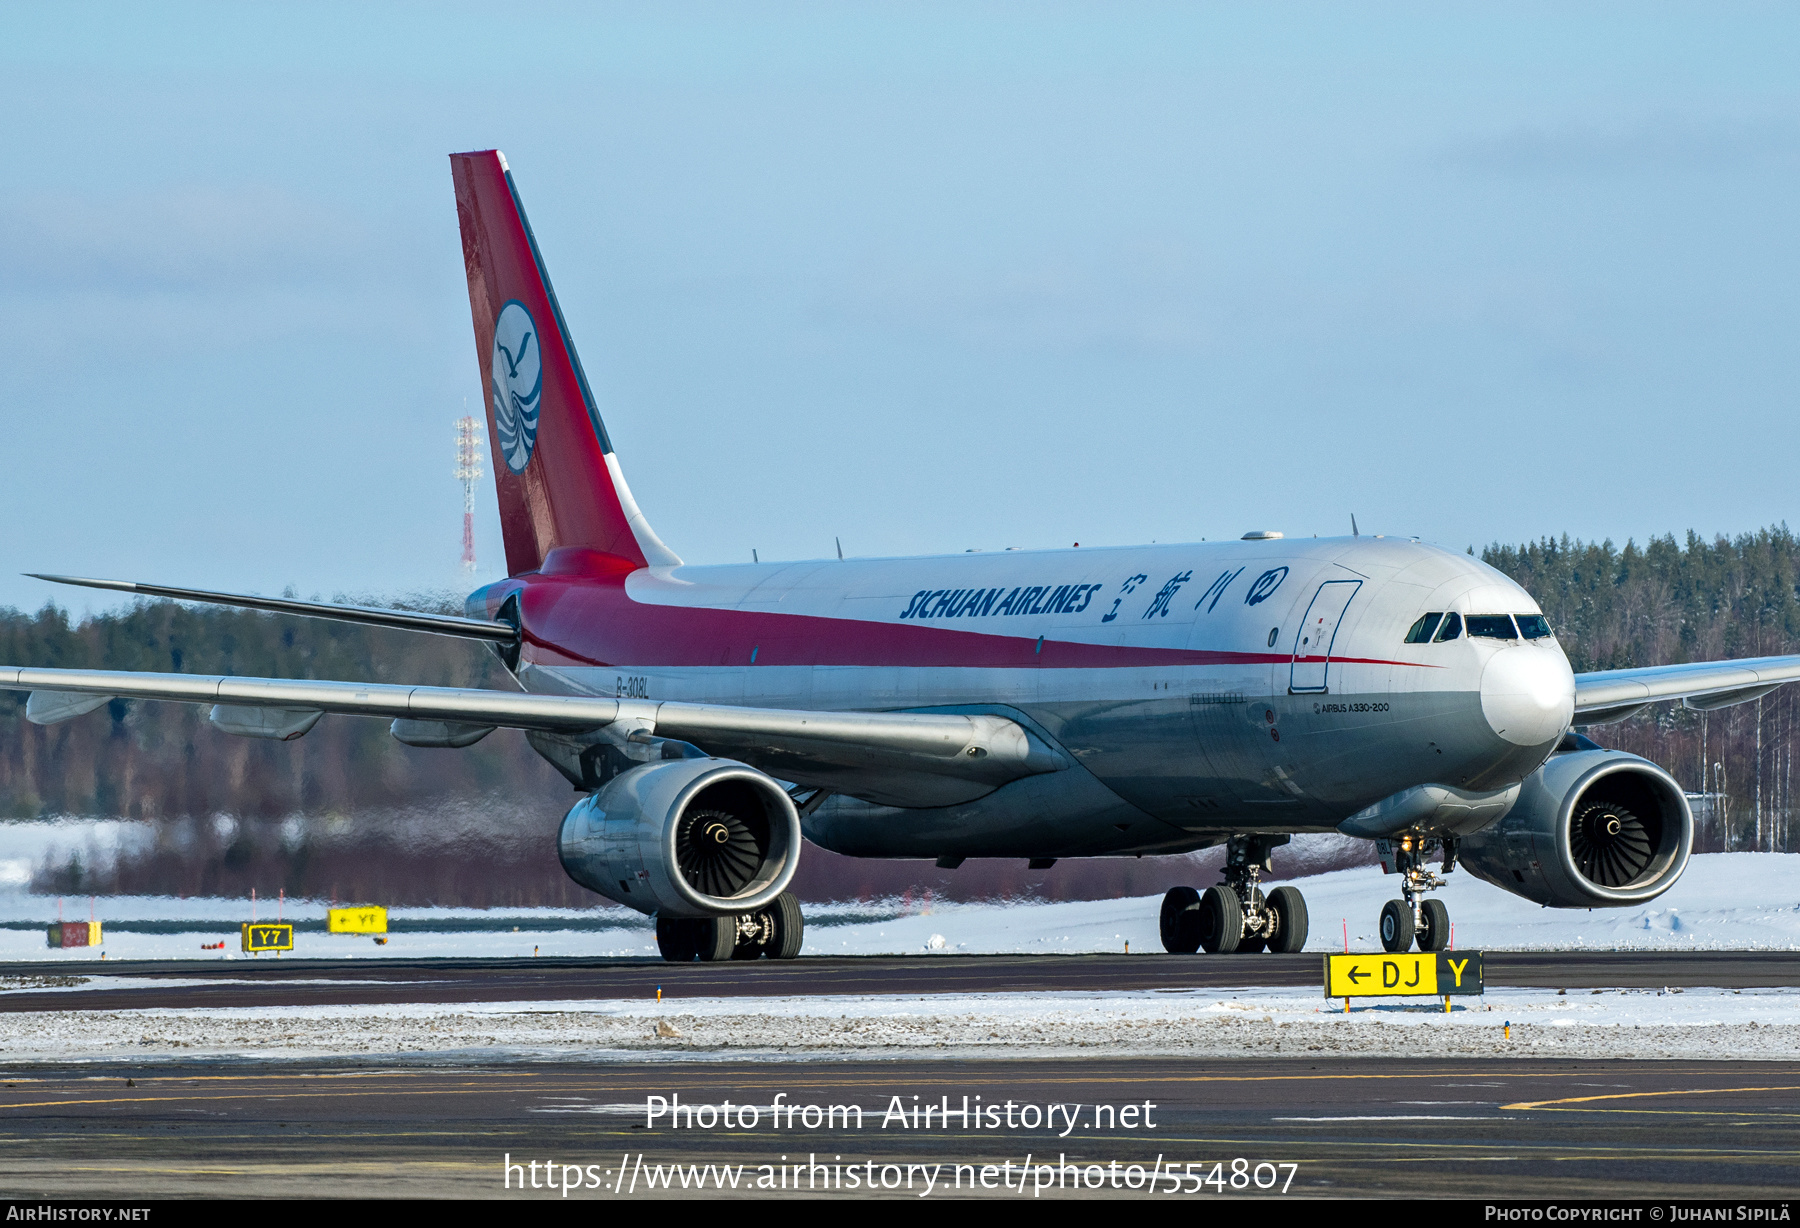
{"points": [[558, 480]]}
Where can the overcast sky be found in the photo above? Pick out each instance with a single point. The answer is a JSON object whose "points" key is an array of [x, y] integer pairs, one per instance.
{"points": [[921, 277]]}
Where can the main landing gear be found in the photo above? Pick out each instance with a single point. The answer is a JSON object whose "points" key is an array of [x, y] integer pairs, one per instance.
{"points": [[777, 932], [1413, 919], [1236, 916]]}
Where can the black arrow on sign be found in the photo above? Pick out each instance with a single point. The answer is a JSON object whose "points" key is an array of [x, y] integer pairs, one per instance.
{"points": [[1357, 974]]}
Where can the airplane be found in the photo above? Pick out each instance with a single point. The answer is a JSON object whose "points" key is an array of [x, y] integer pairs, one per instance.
{"points": [[1037, 704]]}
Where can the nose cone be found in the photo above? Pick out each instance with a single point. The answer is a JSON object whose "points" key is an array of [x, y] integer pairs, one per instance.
{"points": [[1528, 694]]}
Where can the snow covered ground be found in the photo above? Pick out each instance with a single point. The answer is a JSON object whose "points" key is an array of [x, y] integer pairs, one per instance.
{"points": [[1725, 901], [1695, 1023]]}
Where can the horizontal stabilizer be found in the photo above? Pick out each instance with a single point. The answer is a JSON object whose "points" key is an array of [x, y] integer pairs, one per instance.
{"points": [[404, 620]]}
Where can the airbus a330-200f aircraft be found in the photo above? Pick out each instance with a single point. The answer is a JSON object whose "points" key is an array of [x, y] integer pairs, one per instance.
{"points": [[1035, 704]]}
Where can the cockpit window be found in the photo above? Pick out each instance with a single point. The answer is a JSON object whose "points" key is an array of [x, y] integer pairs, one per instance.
{"points": [[1492, 626], [1421, 630], [1451, 629], [1533, 626]]}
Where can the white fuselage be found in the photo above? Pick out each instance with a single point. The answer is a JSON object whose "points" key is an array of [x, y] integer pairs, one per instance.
{"points": [[1203, 688]]}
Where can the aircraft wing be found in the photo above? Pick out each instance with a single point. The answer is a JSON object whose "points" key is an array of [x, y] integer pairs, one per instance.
{"points": [[1614, 694], [898, 758]]}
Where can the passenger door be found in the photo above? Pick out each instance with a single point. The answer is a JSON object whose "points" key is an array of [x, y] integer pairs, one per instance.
{"points": [[1318, 630]]}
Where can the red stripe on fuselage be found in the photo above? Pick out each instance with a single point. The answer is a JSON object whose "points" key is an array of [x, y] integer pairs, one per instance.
{"points": [[587, 621]]}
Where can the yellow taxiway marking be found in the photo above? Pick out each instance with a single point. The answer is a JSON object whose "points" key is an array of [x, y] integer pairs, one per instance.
{"points": [[460, 1085], [778, 1080], [314, 1074], [441, 1091], [457, 1087], [1684, 1091], [477, 1083], [1053, 1079]]}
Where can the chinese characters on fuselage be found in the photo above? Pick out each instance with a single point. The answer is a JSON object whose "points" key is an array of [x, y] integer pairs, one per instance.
{"points": [[1074, 598]]}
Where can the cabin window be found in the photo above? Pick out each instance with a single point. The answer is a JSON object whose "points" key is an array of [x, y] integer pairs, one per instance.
{"points": [[1451, 629], [1533, 626], [1423, 630], [1492, 626]]}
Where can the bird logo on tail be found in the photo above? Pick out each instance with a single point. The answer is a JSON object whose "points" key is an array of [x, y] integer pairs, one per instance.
{"points": [[518, 384]]}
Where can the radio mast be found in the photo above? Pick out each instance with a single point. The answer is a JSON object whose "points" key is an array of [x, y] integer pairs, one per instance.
{"points": [[468, 468]]}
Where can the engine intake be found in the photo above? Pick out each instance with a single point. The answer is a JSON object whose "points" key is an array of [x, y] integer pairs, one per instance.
{"points": [[684, 838], [1591, 829]]}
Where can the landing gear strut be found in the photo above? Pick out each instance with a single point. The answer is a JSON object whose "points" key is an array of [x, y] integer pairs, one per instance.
{"points": [[1413, 918], [777, 932], [1236, 916]]}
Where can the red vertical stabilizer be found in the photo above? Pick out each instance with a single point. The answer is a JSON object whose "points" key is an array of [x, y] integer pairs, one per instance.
{"points": [[554, 469]]}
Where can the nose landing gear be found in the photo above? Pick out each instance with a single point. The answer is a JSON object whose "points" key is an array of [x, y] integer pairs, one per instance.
{"points": [[1236, 916], [1413, 918]]}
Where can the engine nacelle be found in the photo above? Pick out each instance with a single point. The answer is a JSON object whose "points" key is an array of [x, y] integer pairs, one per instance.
{"points": [[684, 838], [1591, 829]]}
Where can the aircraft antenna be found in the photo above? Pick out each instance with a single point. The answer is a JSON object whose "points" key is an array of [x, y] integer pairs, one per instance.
{"points": [[468, 469]]}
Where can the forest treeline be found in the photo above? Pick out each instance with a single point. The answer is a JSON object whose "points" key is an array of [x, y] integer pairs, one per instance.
{"points": [[348, 811], [1668, 602], [148, 760]]}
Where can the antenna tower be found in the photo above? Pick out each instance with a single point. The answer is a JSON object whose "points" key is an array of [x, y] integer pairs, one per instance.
{"points": [[468, 469]]}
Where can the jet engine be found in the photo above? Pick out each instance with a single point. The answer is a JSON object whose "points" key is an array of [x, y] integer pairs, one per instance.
{"points": [[684, 838], [1591, 829]]}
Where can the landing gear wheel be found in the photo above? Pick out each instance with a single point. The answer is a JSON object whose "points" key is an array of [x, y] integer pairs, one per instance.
{"points": [[1253, 940], [1221, 921], [1434, 926], [1289, 907], [1396, 926], [1180, 921], [718, 939], [790, 929], [678, 939], [755, 934]]}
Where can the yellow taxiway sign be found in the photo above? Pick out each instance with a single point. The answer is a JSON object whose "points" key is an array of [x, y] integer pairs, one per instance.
{"points": [[356, 920], [1428, 974], [261, 936]]}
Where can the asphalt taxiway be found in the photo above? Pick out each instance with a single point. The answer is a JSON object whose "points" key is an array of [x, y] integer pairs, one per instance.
{"points": [[270, 981], [1472, 1128]]}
